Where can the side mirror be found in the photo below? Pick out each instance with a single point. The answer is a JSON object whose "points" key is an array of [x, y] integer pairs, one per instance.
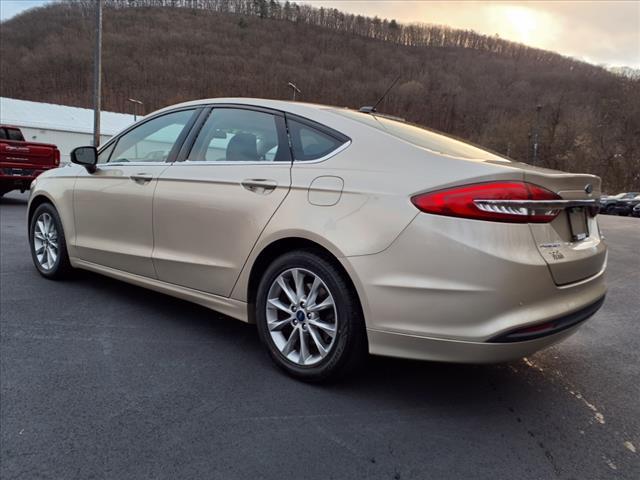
{"points": [[85, 156]]}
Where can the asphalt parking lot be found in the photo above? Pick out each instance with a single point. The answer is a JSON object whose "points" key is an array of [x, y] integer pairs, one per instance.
{"points": [[100, 379]]}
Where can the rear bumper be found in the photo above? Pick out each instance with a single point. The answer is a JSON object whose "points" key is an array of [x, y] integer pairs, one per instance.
{"points": [[446, 350], [447, 288], [23, 180], [14, 183], [549, 327]]}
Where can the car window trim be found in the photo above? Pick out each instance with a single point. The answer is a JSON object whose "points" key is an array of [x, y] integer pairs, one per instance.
{"points": [[332, 153], [102, 166], [174, 150], [281, 126]]}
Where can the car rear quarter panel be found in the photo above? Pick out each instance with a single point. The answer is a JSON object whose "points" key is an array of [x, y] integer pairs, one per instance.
{"points": [[464, 279], [379, 175]]}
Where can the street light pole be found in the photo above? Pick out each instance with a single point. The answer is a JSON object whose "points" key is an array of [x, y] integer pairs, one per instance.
{"points": [[535, 135], [295, 90], [97, 74], [135, 107]]}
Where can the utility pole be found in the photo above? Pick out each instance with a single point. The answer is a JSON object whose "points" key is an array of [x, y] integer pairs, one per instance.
{"points": [[295, 89], [135, 108], [97, 75], [536, 135]]}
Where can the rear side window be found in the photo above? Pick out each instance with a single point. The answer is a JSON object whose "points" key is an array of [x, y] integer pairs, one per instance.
{"points": [[241, 135], [311, 143], [3, 134]]}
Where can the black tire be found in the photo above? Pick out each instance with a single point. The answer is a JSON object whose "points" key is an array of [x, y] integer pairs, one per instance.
{"points": [[61, 267], [349, 349]]}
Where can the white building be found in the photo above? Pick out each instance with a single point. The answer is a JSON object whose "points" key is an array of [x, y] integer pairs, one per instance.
{"points": [[66, 127]]}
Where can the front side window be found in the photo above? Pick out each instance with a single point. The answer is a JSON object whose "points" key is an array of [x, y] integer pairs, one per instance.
{"points": [[309, 143], [153, 140], [240, 135]]}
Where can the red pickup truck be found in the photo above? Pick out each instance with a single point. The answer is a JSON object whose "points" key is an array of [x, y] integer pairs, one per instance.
{"points": [[21, 162]]}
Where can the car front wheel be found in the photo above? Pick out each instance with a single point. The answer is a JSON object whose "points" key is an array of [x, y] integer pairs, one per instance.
{"points": [[309, 317], [48, 243]]}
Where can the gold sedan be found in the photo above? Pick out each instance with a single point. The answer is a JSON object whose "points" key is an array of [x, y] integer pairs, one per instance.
{"points": [[337, 232]]}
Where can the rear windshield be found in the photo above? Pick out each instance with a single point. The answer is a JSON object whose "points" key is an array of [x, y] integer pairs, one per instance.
{"points": [[422, 137], [14, 134]]}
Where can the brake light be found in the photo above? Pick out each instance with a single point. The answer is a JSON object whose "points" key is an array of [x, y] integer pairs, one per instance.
{"points": [[56, 157], [513, 202]]}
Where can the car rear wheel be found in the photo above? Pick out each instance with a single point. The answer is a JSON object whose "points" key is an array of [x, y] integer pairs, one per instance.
{"points": [[48, 243], [309, 317]]}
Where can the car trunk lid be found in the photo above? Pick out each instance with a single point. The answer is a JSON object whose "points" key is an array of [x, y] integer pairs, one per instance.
{"points": [[571, 244]]}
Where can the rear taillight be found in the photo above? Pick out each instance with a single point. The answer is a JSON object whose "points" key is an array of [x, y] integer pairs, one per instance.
{"points": [[56, 157], [513, 202]]}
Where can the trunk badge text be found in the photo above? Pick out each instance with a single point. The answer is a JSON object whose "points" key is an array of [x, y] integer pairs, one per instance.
{"points": [[555, 253]]}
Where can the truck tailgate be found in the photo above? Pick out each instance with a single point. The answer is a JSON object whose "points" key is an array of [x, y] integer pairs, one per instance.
{"points": [[29, 154]]}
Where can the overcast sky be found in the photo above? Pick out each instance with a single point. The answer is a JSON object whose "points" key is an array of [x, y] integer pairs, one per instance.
{"points": [[600, 32]]}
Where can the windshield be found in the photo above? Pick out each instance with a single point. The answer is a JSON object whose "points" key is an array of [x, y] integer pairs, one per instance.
{"points": [[422, 137]]}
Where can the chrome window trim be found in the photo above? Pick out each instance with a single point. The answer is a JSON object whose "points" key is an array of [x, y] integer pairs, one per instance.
{"points": [[333, 153], [132, 164], [338, 150], [231, 162]]}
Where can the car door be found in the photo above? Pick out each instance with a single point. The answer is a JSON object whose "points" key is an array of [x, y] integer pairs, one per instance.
{"points": [[210, 209], [113, 205]]}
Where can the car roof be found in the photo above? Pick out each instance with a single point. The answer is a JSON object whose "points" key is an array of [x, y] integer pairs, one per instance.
{"points": [[299, 108], [335, 117]]}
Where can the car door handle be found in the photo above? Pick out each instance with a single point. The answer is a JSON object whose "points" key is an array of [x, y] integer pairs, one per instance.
{"points": [[259, 185], [141, 178]]}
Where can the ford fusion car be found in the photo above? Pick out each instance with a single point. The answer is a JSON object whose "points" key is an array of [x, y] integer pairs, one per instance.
{"points": [[337, 232]]}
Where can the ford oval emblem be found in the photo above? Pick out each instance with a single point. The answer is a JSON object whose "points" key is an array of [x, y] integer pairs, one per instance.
{"points": [[588, 188]]}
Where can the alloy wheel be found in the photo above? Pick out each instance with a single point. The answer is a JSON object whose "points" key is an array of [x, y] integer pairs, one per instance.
{"points": [[45, 241], [301, 316]]}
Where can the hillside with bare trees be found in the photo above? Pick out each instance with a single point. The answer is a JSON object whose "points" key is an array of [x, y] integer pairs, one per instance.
{"points": [[496, 93]]}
